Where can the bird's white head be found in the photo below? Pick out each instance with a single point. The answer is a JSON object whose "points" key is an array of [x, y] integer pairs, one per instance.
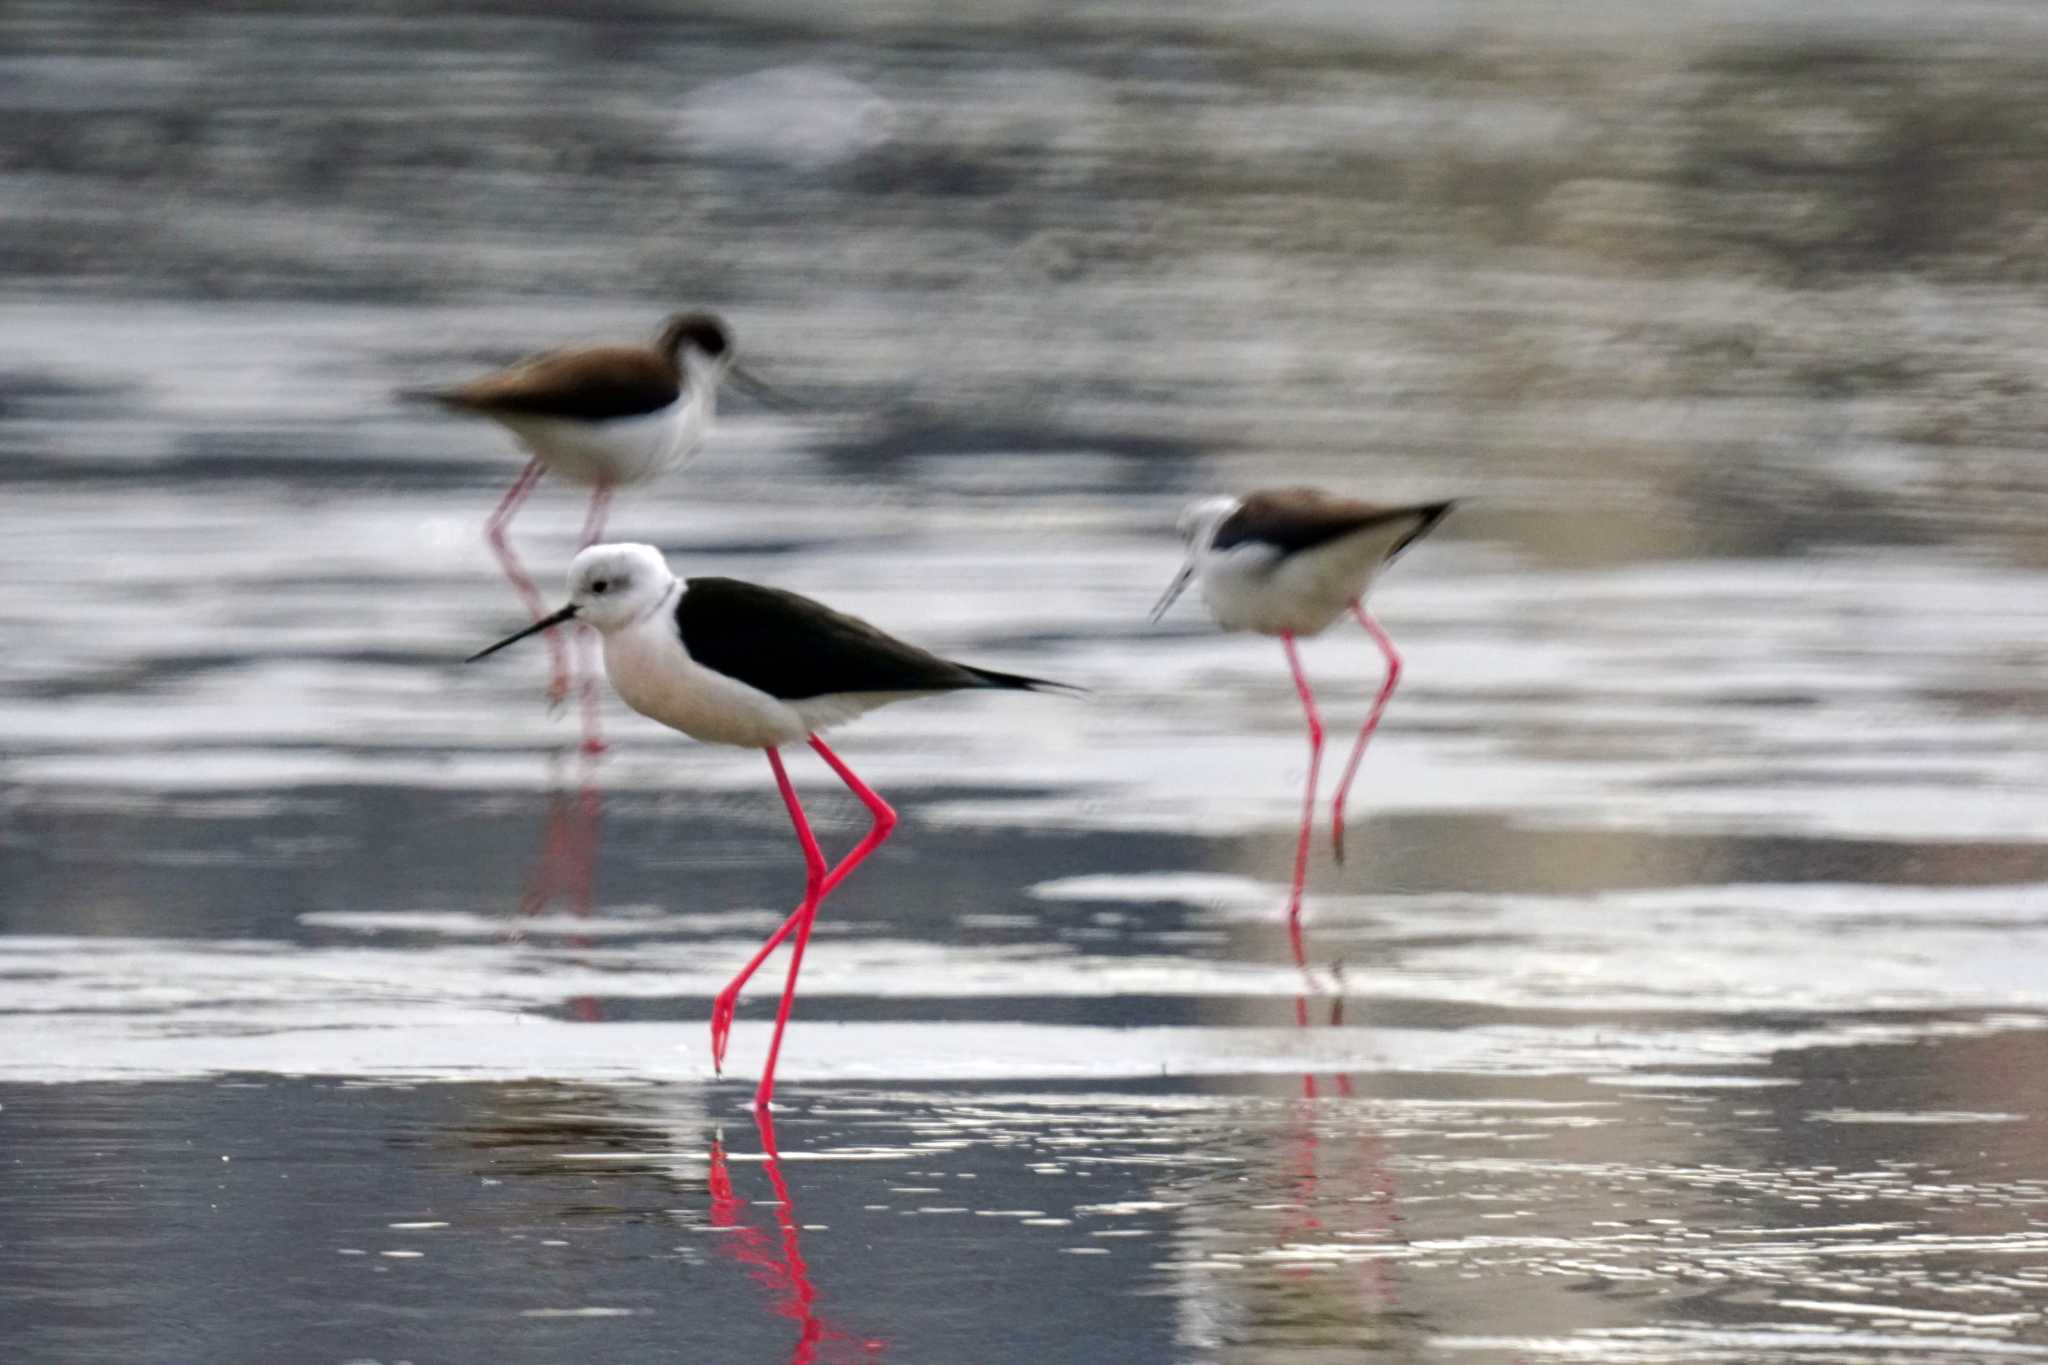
{"points": [[1199, 520], [610, 587], [1197, 525]]}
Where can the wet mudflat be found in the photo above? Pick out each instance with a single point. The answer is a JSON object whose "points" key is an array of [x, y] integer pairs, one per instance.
{"points": [[1682, 999]]}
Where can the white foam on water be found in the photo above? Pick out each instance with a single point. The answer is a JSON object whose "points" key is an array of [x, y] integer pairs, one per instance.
{"points": [[1685, 1342], [113, 1008], [1723, 948]]}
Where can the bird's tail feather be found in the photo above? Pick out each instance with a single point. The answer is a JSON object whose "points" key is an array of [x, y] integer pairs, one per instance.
{"points": [[440, 398], [1022, 683], [1430, 513]]}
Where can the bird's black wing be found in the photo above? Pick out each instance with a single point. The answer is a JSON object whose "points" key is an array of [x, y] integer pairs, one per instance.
{"points": [[793, 648], [1296, 519]]}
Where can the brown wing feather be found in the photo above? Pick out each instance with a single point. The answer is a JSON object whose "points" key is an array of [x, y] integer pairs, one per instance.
{"points": [[1297, 519], [590, 383]]}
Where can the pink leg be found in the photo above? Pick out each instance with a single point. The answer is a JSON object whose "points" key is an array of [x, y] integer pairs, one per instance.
{"points": [[587, 661], [1372, 722], [593, 523], [1308, 813], [818, 885], [722, 1008], [884, 824], [494, 532]]}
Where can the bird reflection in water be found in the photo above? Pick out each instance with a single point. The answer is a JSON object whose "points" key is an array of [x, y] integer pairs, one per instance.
{"points": [[1306, 1139], [1309, 1088], [782, 1270], [566, 868], [1363, 1185]]}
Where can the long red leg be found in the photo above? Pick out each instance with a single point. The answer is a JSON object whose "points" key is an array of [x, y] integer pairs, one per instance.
{"points": [[587, 653], [494, 532], [806, 914], [818, 885], [593, 521], [728, 999], [1372, 722], [884, 823], [1308, 815]]}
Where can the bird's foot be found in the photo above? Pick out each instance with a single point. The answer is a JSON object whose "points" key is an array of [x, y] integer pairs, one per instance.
{"points": [[721, 1028]]}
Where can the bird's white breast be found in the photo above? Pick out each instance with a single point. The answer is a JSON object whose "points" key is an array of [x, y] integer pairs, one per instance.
{"points": [[619, 449], [653, 674]]}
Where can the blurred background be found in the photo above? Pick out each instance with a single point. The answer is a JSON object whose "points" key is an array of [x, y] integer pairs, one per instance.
{"points": [[1682, 998]]}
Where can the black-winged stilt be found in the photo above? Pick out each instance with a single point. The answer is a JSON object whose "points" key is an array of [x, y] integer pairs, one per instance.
{"points": [[734, 663], [598, 416], [1289, 562]]}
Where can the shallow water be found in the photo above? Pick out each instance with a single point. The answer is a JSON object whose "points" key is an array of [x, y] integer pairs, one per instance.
{"points": [[1682, 998]]}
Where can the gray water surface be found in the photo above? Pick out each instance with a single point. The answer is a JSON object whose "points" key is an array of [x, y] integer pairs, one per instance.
{"points": [[1682, 998]]}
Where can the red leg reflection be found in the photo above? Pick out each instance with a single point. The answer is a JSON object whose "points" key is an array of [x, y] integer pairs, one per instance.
{"points": [[1342, 1203], [803, 1296], [783, 1272], [588, 665], [494, 532], [818, 884], [1343, 1078], [1372, 722], [567, 866], [1309, 1088], [746, 1244], [588, 647], [1363, 1202]]}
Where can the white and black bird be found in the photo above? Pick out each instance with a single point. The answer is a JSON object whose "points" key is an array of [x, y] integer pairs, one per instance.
{"points": [[735, 663], [600, 417], [1290, 562]]}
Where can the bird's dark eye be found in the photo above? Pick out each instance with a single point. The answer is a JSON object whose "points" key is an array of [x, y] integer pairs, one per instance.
{"points": [[600, 585]]}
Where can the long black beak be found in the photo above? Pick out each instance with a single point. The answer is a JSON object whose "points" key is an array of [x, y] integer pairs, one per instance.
{"points": [[1175, 588], [567, 613], [747, 382]]}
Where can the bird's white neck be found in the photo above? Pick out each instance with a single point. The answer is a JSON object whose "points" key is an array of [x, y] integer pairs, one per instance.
{"points": [[663, 604], [702, 373]]}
